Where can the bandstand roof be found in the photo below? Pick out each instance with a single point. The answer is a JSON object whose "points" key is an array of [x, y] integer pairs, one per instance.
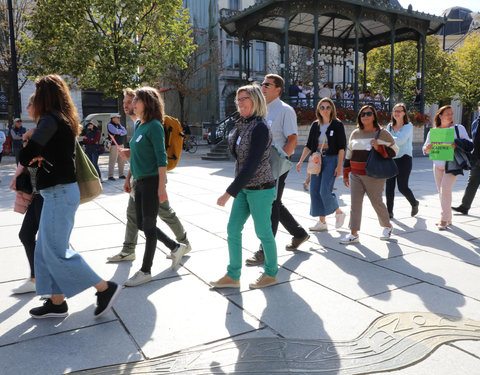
{"points": [[266, 21]]}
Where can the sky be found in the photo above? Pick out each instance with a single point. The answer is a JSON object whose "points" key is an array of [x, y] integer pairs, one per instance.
{"points": [[436, 7]]}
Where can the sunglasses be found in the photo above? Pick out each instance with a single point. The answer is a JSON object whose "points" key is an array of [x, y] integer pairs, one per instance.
{"points": [[323, 108], [135, 99], [241, 100], [399, 111], [266, 84], [368, 114]]}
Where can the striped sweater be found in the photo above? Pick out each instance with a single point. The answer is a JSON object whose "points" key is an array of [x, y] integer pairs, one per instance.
{"points": [[359, 147]]}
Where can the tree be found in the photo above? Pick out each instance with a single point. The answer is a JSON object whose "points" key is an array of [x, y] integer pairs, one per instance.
{"points": [[439, 68], [107, 44], [191, 81], [467, 77], [21, 8]]}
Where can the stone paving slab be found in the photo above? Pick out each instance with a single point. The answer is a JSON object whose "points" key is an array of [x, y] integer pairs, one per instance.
{"points": [[438, 270], [15, 265], [172, 318], [101, 345], [302, 308]]}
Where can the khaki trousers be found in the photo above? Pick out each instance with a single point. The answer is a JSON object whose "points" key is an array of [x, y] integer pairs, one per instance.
{"points": [[359, 185], [113, 157]]}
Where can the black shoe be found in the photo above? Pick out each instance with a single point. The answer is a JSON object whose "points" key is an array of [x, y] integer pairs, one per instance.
{"points": [[414, 209], [111, 178], [106, 298], [390, 215], [122, 177], [460, 209], [296, 242], [49, 310], [256, 259]]}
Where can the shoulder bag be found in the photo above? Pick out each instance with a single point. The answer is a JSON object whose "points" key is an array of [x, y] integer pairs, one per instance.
{"points": [[279, 161], [314, 165], [87, 177], [379, 167]]}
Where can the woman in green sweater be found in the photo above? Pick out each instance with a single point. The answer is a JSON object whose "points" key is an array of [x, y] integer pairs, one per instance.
{"points": [[148, 165]]}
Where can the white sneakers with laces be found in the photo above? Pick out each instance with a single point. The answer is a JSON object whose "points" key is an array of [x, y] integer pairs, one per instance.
{"points": [[319, 227], [386, 234], [349, 238], [340, 219]]}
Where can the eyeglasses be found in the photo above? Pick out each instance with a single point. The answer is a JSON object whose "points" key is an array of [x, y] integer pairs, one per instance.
{"points": [[266, 84], [399, 111], [323, 108], [135, 99], [241, 100], [368, 114]]}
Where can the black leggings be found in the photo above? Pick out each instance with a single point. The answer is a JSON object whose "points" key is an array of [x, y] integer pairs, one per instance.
{"points": [[404, 165], [146, 207], [29, 229]]}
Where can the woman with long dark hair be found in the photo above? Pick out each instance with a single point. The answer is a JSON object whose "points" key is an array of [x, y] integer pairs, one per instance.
{"points": [[355, 176], [60, 271], [401, 130], [327, 135]]}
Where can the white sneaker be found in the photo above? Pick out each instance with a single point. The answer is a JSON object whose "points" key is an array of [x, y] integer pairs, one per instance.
{"points": [[177, 255], [349, 238], [138, 278], [339, 219], [319, 227], [187, 244], [386, 234], [27, 287], [121, 256]]}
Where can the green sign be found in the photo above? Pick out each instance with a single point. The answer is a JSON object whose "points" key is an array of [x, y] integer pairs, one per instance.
{"points": [[442, 140]]}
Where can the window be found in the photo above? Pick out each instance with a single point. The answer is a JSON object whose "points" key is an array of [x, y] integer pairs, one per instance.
{"points": [[232, 54], [260, 56]]}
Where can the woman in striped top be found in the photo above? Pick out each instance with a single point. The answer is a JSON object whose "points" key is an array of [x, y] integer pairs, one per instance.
{"points": [[355, 177]]}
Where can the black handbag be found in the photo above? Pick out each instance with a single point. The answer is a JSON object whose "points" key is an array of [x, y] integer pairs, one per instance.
{"points": [[24, 183], [379, 167]]}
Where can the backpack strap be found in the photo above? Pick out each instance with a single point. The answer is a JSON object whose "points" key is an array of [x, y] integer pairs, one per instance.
{"points": [[457, 132]]}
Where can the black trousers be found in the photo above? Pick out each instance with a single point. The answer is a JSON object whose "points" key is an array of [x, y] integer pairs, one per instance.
{"points": [[404, 165], [472, 185], [29, 229], [146, 207], [282, 215]]}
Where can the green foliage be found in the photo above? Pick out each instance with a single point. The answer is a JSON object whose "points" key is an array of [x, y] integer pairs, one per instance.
{"points": [[467, 72], [107, 44], [439, 67]]}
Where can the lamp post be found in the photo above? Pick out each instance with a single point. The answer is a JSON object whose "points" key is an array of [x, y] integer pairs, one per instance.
{"points": [[14, 70]]}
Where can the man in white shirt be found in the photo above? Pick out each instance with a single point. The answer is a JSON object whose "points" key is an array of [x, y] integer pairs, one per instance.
{"points": [[282, 120]]}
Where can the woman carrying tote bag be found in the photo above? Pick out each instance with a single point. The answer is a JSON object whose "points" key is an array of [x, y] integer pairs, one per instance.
{"points": [[355, 176]]}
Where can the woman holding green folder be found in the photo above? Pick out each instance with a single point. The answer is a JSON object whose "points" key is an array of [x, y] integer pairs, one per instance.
{"points": [[445, 181]]}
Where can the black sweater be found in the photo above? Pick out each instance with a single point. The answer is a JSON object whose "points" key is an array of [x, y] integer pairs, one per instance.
{"points": [[55, 142], [336, 138]]}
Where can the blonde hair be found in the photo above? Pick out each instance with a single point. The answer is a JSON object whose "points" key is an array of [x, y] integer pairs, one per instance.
{"points": [[255, 94]]}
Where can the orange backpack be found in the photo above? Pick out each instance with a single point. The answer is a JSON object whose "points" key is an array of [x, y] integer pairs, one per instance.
{"points": [[173, 140]]}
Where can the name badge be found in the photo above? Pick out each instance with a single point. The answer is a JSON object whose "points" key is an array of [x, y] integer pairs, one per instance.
{"points": [[369, 147], [238, 140], [331, 133], [139, 138], [269, 122]]}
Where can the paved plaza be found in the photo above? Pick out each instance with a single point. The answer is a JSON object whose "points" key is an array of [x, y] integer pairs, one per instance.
{"points": [[337, 309]]}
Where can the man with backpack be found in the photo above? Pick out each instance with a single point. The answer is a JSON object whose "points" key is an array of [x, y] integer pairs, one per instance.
{"points": [[165, 212]]}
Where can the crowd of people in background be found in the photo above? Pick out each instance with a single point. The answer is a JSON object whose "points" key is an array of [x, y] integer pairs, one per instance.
{"points": [[301, 95], [46, 153]]}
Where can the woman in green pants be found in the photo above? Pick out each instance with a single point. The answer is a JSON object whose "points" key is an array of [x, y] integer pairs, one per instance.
{"points": [[253, 188]]}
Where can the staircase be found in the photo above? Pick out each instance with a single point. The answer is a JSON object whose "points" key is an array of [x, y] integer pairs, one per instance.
{"points": [[218, 152]]}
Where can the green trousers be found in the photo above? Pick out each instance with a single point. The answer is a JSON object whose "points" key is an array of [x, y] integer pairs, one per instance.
{"points": [[165, 213], [257, 203]]}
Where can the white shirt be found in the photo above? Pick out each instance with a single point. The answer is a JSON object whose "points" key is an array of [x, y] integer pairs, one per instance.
{"points": [[463, 135], [282, 120]]}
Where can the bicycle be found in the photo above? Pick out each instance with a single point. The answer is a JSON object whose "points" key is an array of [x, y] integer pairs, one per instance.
{"points": [[192, 145]]}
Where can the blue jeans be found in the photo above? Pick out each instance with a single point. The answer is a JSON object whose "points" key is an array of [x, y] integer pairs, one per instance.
{"points": [[93, 156], [59, 269], [323, 201], [258, 203]]}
